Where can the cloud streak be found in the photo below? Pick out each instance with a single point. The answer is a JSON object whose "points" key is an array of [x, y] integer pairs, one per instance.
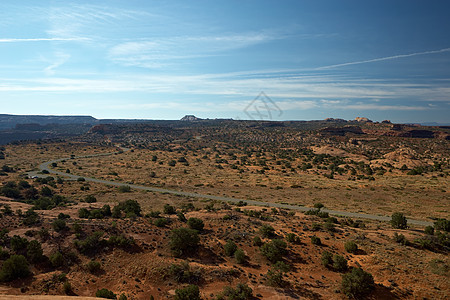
{"points": [[16, 40], [383, 59]]}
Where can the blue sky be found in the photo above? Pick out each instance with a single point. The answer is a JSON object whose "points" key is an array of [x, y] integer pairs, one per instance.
{"points": [[164, 59]]}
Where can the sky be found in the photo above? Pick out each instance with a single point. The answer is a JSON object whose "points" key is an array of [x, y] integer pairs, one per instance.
{"points": [[270, 60]]}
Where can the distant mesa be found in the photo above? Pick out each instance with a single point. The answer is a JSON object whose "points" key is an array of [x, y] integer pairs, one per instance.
{"points": [[386, 122], [190, 118], [363, 120], [337, 120]]}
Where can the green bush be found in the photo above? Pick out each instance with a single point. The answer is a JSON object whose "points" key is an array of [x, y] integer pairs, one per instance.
{"points": [[351, 247], [400, 238], [183, 240], [59, 225], [34, 251], [257, 241], [90, 199], [105, 293], [275, 278], [14, 267], [169, 209], [191, 292], [230, 248], [327, 259], [160, 222], [129, 207], [240, 256], [195, 223], [84, 213], [429, 230], [292, 238], [67, 288], [399, 221], [181, 217], [124, 189], [340, 263], [93, 266], [442, 224], [241, 292], [267, 231], [18, 244], [56, 259], [357, 284], [316, 240], [274, 250]]}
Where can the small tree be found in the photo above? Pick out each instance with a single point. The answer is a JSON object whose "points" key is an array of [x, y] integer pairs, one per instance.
{"points": [[34, 251], [183, 240], [351, 247], [14, 267], [267, 231], [327, 259], [59, 225], [274, 250], [339, 263], [399, 221], [105, 293], [316, 240], [240, 256], [357, 284], [169, 209], [229, 248], [191, 292], [429, 230], [196, 223], [93, 266]]}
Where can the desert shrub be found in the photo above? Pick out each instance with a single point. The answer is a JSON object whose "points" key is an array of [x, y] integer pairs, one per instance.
{"points": [[429, 230], [318, 205], [274, 250], [67, 288], [230, 248], [172, 163], [182, 273], [275, 278], [129, 207], [241, 292], [124, 189], [400, 238], [328, 226], [351, 247], [169, 209], [183, 240], [30, 218], [267, 231], [442, 224], [3, 254], [160, 222], [121, 241], [84, 213], [327, 259], [14, 267], [191, 292], [91, 244], [46, 191], [357, 284], [18, 244], [56, 259], [195, 223], [257, 241], [439, 267], [93, 266], [90, 199], [316, 240], [240, 256], [105, 293], [59, 225], [154, 214], [399, 221], [281, 266], [181, 217], [34, 251], [292, 238], [340, 263]]}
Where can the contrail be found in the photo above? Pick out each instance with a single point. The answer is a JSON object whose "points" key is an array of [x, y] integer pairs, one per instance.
{"points": [[383, 58]]}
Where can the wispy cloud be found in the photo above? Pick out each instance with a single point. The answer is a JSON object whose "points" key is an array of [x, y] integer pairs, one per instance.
{"points": [[60, 59], [161, 51], [383, 59], [18, 40]]}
